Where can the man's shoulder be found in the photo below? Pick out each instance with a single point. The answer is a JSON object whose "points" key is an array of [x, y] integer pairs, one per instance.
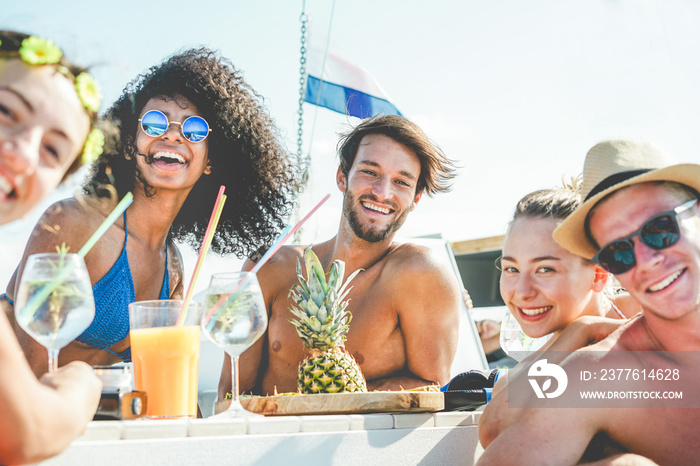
{"points": [[617, 348], [635, 336], [411, 262], [414, 270], [411, 257], [281, 266], [284, 257]]}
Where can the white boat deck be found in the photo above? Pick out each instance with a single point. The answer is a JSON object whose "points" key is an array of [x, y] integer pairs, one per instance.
{"points": [[421, 438]]}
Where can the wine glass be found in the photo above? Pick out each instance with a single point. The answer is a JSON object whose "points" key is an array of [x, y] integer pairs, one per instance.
{"points": [[234, 317], [54, 303], [515, 342]]}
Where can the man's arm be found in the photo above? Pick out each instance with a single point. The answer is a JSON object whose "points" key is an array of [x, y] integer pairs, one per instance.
{"points": [[427, 297], [624, 459], [560, 437], [582, 332], [498, 416], [397, 382]]}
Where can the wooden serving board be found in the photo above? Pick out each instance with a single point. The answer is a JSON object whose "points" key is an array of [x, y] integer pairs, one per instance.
{"points": [[341, 403]]}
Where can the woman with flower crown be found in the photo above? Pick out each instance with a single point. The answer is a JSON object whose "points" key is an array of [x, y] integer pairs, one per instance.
{"points": [[187, 126], [47, 107]]}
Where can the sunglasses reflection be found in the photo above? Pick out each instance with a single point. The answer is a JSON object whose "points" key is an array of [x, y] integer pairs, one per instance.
{"points": [[154, 123]]}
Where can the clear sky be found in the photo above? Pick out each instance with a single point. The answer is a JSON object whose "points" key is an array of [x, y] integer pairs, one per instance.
{"points": [[515, 91]]}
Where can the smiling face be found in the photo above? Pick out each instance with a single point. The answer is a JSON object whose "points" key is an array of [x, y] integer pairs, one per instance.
{"points": [[665, 282], [42, 130], [380, 188], [545, 286], [170, 161]]}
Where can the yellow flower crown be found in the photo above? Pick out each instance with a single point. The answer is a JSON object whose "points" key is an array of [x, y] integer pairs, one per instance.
{"points": [[39, 51]]}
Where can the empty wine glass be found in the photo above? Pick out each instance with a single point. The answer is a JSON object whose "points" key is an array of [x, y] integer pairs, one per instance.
{"points": [[515, 342], [234, 317], [54, 303]]}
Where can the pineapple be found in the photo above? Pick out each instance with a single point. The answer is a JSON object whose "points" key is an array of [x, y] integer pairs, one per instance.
{"points": [[322, 323]]}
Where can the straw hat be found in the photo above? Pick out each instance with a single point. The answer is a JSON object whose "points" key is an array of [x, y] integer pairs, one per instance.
{"points": [[612, 165]]}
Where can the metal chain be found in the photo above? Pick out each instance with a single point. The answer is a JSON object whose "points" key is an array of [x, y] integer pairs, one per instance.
{"points": [[305, 162]]}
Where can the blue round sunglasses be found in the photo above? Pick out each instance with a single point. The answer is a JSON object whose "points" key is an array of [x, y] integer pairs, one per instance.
{"points": [[154, 123]]}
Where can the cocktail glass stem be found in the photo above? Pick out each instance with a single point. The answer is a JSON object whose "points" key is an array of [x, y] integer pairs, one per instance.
{"points": [[236, 409], [234, 382], [53, 360]]}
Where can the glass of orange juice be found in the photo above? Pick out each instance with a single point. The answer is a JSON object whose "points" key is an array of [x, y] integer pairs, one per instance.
{"points": [[165, 354]]}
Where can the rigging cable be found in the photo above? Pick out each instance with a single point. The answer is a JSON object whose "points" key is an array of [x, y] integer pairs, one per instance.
{"points": [[305, 162], [302, 83], [302, 90]]}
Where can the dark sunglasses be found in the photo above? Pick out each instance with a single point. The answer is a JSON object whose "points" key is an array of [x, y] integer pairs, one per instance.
{"points": [[659, 232], [154, 123]]}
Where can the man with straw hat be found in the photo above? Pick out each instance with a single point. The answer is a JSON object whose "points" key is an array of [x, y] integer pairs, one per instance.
{"points": [[405, 302], [639, 221]]}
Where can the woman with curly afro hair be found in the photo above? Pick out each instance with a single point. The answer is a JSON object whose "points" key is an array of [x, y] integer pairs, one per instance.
{"points": [[187, 126]]}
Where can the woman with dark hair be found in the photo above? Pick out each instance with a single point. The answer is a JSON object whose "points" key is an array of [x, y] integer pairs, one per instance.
{"points": [[244, 152], [188, 126]]}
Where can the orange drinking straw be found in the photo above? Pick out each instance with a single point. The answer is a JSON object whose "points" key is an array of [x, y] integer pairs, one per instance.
{"points": [[208, 237]]}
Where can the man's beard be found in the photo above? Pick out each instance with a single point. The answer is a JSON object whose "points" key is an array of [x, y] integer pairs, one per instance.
{"points": [[369, 234]]}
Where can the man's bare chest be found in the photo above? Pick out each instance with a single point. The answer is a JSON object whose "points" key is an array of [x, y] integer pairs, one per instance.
{"points": [[373, 321]]}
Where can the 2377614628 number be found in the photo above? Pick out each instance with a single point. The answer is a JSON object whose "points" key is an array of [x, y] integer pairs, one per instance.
{"points": [[639, 374]]}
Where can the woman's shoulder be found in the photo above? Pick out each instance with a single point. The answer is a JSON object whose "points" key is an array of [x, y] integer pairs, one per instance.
{"points": [[79, 209], [70, 221]]}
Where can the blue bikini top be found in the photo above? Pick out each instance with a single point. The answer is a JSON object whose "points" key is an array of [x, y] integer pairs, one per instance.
{"points": [[113, 293]]}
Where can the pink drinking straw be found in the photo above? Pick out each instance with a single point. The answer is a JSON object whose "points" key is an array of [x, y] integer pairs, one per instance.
{"points": [[279, 242], [208, 237]]}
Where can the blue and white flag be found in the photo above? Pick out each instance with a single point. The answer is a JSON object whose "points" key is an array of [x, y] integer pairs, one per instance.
{"points": [[344, 87]]}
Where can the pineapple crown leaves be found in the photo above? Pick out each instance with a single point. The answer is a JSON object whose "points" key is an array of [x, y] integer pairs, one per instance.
{"points": [[321, 319]]}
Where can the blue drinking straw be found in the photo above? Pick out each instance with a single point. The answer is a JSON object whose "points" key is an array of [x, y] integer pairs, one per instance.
{"points": [[281, 239], [244, 282]]}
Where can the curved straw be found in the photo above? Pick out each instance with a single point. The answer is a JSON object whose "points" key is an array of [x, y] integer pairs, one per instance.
{"points": [[279, 242], [208, 237], [224, 299], [111, 218], [36, 300]]}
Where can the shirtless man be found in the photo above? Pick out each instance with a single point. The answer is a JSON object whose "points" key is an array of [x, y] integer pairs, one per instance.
{"points": [[657, 260], [405, 304]]}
